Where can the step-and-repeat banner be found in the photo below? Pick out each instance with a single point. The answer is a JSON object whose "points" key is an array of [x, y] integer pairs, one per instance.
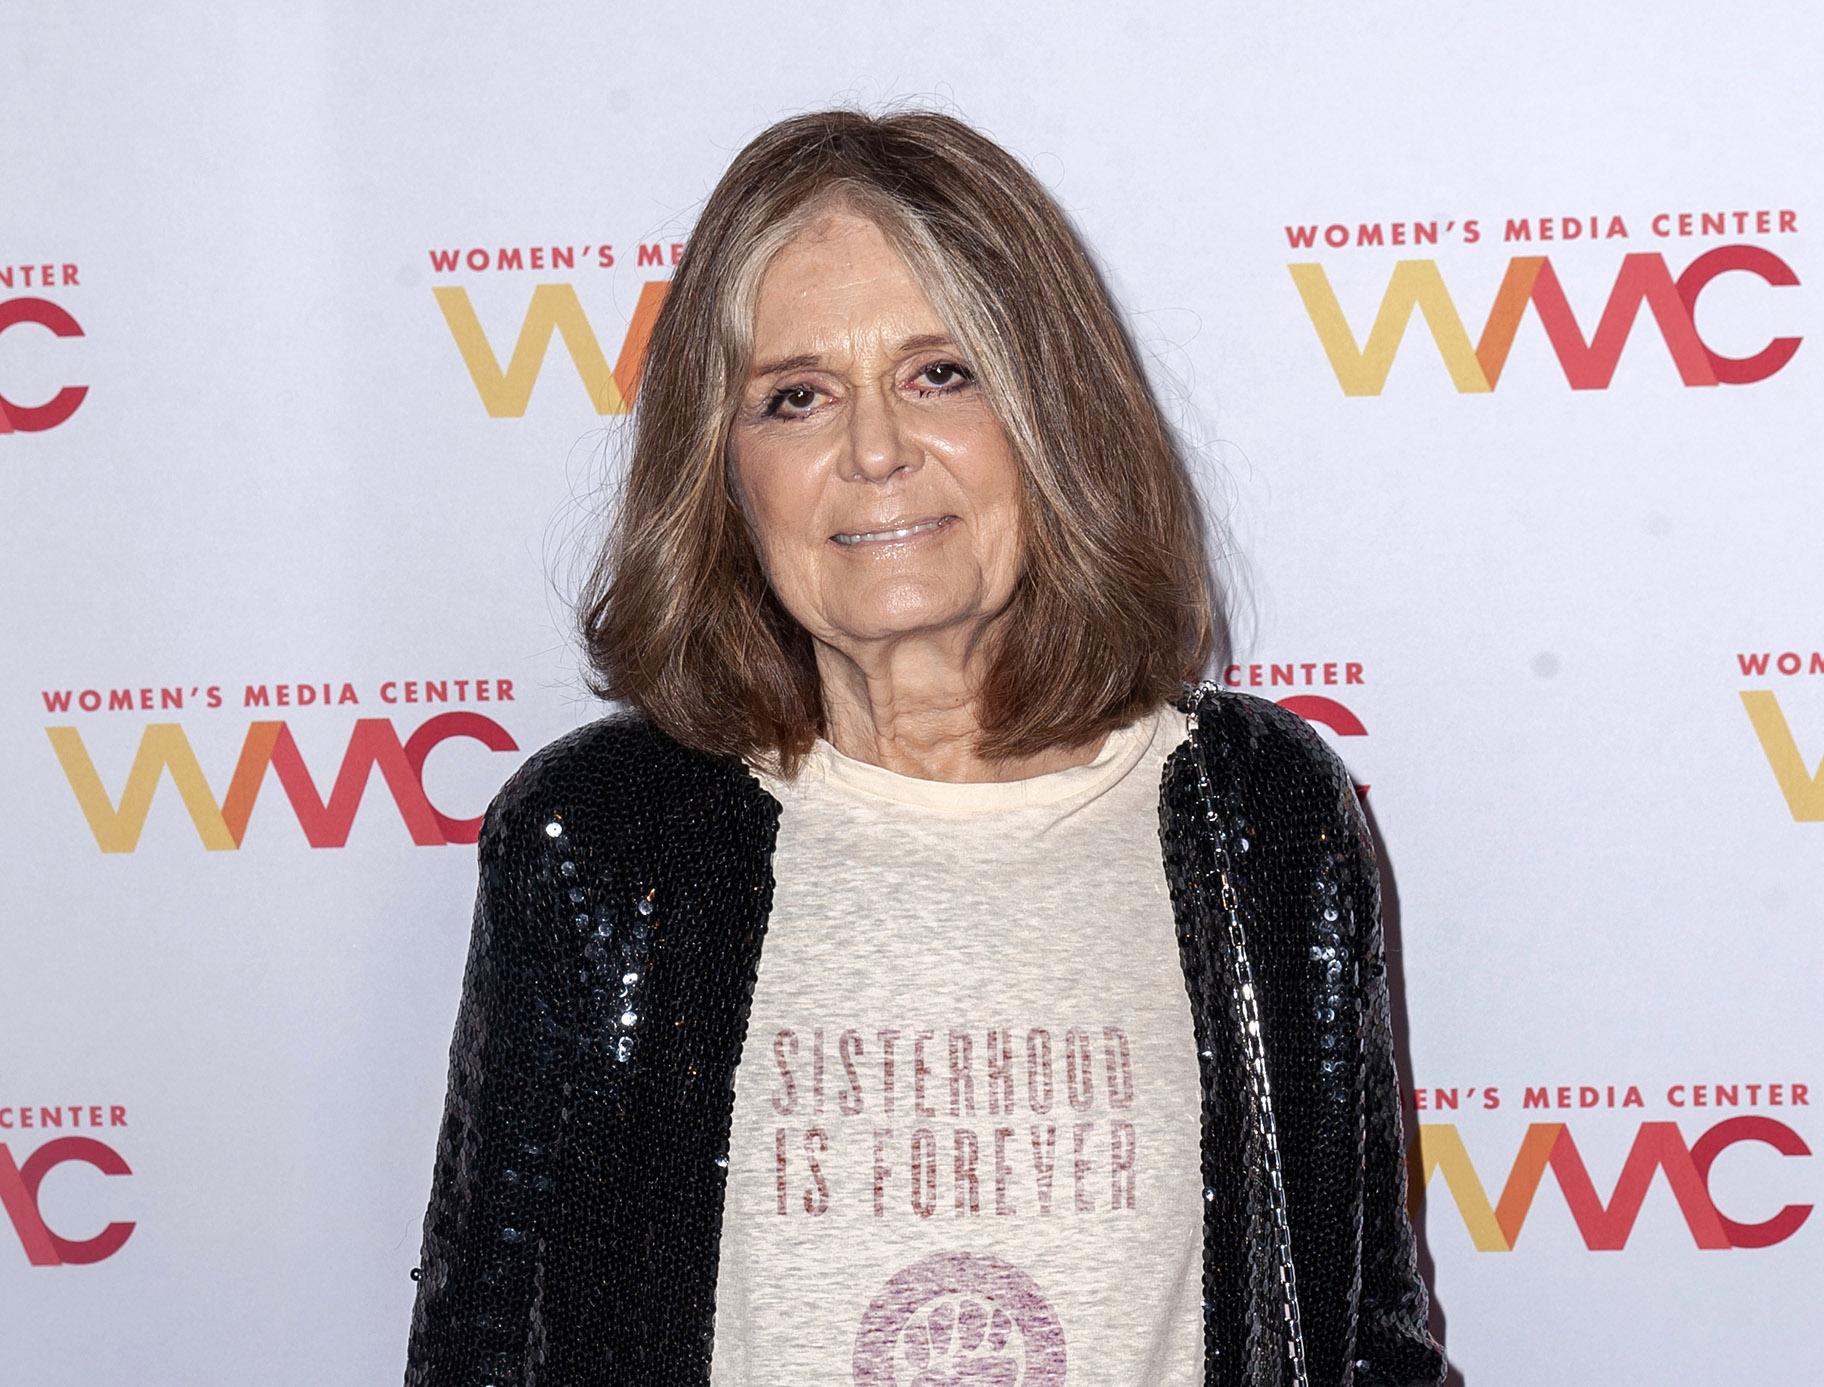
{"points": [[1494, 336]]}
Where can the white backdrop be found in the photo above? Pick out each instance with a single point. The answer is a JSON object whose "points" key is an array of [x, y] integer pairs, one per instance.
{"points": [[225, 1008]]}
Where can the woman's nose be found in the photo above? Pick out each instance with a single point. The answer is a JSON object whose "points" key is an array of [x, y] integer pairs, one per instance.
{"points": [[879, 442]]}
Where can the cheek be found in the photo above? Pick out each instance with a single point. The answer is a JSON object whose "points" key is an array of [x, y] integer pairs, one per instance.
{"points": [[781, 517], [986, 465], [1006, 564], [996, 484], [769, 488]]}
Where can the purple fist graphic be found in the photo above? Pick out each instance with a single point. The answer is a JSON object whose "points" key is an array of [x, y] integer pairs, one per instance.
{"points": [[960, 1319]]}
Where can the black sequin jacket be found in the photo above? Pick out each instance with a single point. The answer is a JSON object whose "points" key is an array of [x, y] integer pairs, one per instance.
{"points": [[625, 882]]}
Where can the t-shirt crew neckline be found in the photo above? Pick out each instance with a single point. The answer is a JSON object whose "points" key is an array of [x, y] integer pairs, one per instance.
{"points": [[1120, 751]]}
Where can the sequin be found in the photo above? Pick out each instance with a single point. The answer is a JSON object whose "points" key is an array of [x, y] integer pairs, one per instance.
{"points": [[575, 1210]]}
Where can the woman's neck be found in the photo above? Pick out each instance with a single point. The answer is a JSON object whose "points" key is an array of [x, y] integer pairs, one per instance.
{"points": [[918, 719]]}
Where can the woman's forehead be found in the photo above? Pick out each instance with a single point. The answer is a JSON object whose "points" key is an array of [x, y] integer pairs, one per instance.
{"points": [[835, 305]]}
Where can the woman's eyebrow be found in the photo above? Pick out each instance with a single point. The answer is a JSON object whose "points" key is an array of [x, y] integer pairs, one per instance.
{"points": [[807, 359]]}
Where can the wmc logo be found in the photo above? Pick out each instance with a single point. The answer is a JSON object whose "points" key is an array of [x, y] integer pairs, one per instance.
{"points": [[221, 822], [16, 417], [554, 309], [19, 1185], [1802, 786], [1588, 362], [1604, 1226]]}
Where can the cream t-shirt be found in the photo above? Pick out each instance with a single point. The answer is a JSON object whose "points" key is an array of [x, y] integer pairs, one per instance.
{"points": [[966, 1123]]}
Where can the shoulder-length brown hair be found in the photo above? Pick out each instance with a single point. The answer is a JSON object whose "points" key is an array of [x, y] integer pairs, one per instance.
{"points": [[1114, 607]]}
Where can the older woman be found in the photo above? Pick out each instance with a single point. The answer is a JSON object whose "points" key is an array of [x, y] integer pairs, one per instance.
{"points": [[925, 977]]}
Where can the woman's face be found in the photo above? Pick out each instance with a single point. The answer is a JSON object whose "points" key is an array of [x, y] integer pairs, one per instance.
{"points": [[874, 424]]}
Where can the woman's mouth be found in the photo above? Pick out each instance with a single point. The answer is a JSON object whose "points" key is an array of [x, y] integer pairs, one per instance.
{"points": [[909, 531]]}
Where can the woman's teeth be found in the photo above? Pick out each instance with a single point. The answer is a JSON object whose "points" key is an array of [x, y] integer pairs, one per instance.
{"points": [[871, 536]]}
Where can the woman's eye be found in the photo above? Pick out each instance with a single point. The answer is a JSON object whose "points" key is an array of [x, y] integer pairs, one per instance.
{"points": [[770, 409], [950, 368]]}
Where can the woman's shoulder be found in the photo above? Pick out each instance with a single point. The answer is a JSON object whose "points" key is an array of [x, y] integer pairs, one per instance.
{"points": [[1266, 749], [600, 776]]}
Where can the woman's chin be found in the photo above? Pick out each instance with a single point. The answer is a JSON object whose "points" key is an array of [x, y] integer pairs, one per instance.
{"points": [[908, 623]]}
